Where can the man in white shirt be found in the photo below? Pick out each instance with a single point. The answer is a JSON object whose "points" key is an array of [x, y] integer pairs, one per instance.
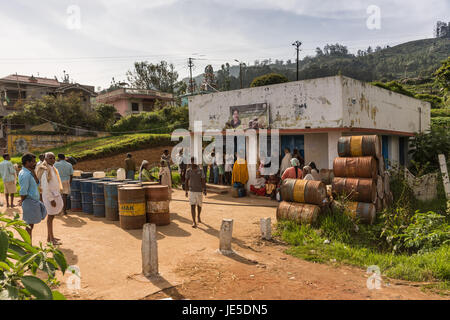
{"points": [[286, 162], [8, 174], [51, 187]]}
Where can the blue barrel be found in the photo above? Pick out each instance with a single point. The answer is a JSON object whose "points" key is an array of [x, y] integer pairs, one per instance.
{"points": [[98, 198], [111, 200], [86, 196], [75, 195]]}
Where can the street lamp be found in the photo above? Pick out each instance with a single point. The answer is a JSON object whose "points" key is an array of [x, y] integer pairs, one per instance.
{"points": [[297, 44], [240, 70]]}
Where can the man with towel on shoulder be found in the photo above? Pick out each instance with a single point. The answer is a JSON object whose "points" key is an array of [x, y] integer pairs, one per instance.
{"points": [[33, 209], [51, 187]]}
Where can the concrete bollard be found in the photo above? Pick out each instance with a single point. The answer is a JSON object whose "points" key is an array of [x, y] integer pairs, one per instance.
{"points": [[266, 228], [149, 251], [226, 235]]}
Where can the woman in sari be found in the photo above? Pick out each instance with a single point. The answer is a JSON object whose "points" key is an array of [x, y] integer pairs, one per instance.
{"points": [[144, 172]]}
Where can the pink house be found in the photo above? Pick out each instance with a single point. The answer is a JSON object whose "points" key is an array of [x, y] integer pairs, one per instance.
{"points": [[128, 101]]}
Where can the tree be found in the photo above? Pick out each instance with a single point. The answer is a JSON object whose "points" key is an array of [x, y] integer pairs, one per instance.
{"points": [[224, 77], [209, 80], [268, 79], [161, 76], [106, 114]]}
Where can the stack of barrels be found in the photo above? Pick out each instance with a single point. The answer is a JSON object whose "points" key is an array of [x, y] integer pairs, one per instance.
{"points": [[130, 202], [359, 176], [302, 200]]}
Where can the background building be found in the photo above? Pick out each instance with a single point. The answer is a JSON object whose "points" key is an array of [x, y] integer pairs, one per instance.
{"points": [[128, 101], [311, 115]]}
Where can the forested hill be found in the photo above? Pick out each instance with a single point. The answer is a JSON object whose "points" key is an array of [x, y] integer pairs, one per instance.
{"points": [[418, 58]]}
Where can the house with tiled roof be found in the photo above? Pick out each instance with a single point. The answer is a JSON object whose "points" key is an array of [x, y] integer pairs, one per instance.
{"points": [[20, 88]]}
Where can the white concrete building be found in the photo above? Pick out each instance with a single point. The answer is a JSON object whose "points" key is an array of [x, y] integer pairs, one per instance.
{"points": [[311, 115]]}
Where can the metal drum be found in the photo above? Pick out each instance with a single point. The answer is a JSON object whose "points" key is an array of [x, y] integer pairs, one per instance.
{"points": [[326, 176], [111, 201], [303, 191], [301, 213], [359, 146], [86, 196], [86, 175], [360, 167], [98, 198], [363, 190], [365, 212], [75, 195], [157, 198], [131, 207]]}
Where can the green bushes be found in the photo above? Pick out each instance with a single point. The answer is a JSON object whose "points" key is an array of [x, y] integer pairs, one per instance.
{"points": [[440, 112], [164, 120], [436, 102], [393, 86], [20, 262], [440, 122], [268, 79]]}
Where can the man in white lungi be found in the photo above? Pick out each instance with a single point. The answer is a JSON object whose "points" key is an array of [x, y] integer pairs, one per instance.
{"points": [[51, 187]]}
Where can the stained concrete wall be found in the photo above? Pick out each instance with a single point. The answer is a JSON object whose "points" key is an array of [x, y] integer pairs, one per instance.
{"points": [[315, 103], [316, 149], [368, 106]]}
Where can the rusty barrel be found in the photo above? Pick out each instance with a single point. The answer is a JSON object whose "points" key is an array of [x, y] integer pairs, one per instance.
{"points": [[359, 146], [301, 213], [157, 198], [131, 207], [362, 190], [365, 212], [303, 191], [326, 176], [358, 167]]}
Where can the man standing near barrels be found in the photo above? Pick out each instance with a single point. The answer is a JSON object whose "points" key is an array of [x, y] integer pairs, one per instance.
{"points": [[51, 193], [8, 174], [195, 184], [130, 167], [65, 170]]}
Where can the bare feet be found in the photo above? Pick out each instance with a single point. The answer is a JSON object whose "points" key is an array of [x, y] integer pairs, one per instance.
{"points": [[194, 225], [199, 220]]}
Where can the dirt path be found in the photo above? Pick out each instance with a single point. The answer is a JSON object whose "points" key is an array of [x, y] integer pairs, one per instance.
{"points": [[109, 259]]}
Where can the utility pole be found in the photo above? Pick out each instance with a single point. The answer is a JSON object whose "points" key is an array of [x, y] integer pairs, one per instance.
{"points": [[297, 44], [191, 81], [240, 71]]}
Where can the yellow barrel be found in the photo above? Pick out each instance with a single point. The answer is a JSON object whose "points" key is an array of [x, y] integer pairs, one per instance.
{"points": [[132, 213], [303, 191], [301, 213], [359, 146]]}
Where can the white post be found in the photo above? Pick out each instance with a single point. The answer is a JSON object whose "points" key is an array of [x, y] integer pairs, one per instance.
{"points": [[266, 228], [226, 235], [149, 251], [445, 178]]}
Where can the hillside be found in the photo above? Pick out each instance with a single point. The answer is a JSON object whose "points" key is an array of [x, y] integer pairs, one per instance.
{"points": [[417, 58]]}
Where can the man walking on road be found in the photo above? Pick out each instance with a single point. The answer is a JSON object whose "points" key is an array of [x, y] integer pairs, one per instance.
{"points": [[195, 183], [8, 174], [33, 209], [65, 171], [51, 193]]}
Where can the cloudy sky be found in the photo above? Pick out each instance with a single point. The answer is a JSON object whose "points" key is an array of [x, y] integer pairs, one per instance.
{"points": [[95, 40]]}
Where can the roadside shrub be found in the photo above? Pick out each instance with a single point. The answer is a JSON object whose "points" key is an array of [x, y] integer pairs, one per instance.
{"points": [[20, 262], [445, 112]]}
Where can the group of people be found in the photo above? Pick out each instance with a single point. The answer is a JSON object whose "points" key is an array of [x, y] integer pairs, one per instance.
{"points": [[44, 188], [292, 167], [145, 175]]}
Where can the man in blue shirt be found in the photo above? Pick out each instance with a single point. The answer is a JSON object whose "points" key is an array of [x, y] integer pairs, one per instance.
{"points": [[8, 174], [33, 209], [65, 170]]}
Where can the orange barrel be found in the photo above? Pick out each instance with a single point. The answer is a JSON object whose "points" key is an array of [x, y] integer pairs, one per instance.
{"points": [[358, 146], [365, 212], [363, 190], [131, 207], [326, 176], [301, 213], [303, 191], [157, 198], [359, 167]]}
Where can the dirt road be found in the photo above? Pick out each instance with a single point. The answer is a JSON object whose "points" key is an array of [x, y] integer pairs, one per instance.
{"points": [[109, 259]]}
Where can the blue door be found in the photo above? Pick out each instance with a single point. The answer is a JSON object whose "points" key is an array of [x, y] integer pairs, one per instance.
{"points": [[293, 142], [385, 149]]}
